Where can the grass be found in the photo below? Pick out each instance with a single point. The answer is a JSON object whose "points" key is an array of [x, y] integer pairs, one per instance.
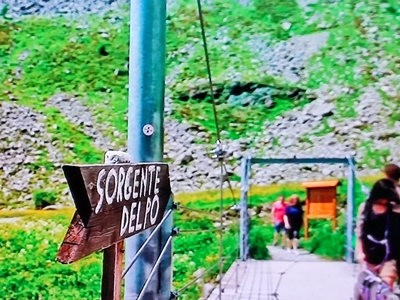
{"points": [[64, 56], [30, 245], [67, 56]]}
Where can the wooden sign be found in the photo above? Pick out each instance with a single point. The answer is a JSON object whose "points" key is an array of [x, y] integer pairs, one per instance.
{"points": [[113, 202], [321, 202]]}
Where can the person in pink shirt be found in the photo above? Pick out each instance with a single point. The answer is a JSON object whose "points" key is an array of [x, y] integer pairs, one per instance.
{"points": [[278, 213]]}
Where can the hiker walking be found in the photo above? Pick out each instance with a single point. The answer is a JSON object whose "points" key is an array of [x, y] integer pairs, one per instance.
{"points": [[293, 221], [277, 213], [375, 243]]}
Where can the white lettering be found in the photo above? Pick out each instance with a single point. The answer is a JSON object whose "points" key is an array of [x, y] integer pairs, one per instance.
{"points": [[100, 190], [143, 183], [124, 220], [128, 187], [151, 170], [132, 218], [155, 206], [110, 174], [138, 225], [156, 190], [121, 179], [135, 184], [148, 207]]}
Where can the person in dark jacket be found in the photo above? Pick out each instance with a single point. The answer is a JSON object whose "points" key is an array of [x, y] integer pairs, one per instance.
{"points": [[377, 239], [293, 222]]}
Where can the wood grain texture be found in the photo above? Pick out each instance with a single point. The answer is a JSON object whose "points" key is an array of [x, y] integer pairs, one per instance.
{"points": [[95, 227], [112, 272]]}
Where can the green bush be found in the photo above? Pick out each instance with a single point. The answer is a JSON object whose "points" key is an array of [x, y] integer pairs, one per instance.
{"points": [[28, 269], [43, 198], [260, 236], [326, 242]]}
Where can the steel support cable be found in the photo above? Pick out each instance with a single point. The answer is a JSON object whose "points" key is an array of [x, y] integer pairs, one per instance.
{"points": [[205, 212], [275, 294], [199, 230], [230, 185], [221, 262], [210, 82], [238, 233], [154, 269], [155, 230], [236, 268], [193, 281], [270, 290], [269, 282], [220, 150]]}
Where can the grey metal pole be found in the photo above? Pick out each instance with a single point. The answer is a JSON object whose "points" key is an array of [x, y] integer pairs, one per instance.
{"points": [[350, 211], [243, 209], [145, 123], [166, 261]]}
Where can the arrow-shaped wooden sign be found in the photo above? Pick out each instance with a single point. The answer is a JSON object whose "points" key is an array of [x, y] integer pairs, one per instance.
{"points": [[113, 202]]}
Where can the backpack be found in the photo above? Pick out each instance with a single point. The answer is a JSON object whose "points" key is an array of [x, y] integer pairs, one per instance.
{"points": [[371, 287]]}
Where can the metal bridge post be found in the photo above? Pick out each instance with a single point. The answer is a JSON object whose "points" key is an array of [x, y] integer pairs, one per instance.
{"points": [[244, 219], [145, 128], [350, 211], [166, 261]]}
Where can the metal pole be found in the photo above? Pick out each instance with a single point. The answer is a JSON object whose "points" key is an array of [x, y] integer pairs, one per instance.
{"points": [[350, 212], [166, 261], [243, 209], [221, 220], [145, 123]]}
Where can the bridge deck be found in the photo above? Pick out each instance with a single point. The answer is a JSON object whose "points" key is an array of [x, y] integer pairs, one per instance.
{"points": [[296, 278]]}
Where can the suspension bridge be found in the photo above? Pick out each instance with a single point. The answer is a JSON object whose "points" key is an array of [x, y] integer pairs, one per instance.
{"points": [[148, 255], [294, 277]]}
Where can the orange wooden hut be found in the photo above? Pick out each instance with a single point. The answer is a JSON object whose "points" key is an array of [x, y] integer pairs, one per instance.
{"points": [[321, 202]]}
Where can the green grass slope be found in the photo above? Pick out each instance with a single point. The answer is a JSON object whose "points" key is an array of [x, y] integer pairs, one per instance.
{"points": [[64, 56]]}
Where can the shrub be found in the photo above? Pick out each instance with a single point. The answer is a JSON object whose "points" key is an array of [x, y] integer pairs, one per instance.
{"points": [[326, 242], [260, 236], [28, 269], [43, 198]]}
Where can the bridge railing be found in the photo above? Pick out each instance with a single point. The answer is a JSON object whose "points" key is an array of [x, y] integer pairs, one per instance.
{"points": [[245, 183], [224, 231]]}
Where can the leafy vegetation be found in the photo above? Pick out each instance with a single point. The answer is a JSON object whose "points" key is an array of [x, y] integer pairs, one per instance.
{"points": [[86, 58], [29, 271], [44, 198], [29, 246], [81, 58]]}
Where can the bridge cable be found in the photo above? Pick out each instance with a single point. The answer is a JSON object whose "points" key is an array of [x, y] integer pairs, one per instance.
{"points": [[210, 82], [218, 150], [271, 293], [237, 261], [203, 212], [219, 153], [207, 271]]}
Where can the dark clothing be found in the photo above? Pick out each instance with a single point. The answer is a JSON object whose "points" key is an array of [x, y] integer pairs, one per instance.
{"points": [[292, 234], [394, 237], [294, 215], [279, 226], [373, 233]]}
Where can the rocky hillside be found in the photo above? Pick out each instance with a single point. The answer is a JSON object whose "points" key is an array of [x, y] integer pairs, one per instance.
{"points": [[293, 78]]}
